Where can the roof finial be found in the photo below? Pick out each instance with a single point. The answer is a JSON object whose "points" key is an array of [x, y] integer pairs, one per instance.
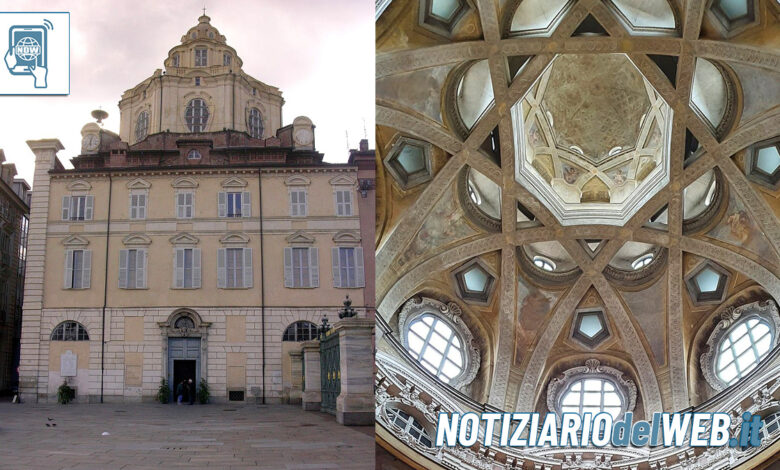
{"points": [[204, 10]]}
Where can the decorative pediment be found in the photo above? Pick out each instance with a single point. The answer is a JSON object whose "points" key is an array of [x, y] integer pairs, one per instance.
{"points": [[139, 183], [137, 239], [235, 238], [184, 239], [79, 185], [300, 237], [234, 182], [297, 180], [342, 180], [75, 241], [345, 236], [184, 182]]}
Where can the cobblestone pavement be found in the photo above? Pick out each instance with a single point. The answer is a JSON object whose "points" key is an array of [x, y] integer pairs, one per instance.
{"points": [[146, 436]]}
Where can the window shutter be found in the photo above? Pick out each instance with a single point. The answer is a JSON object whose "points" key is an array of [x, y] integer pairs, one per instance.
{"points": [[314, 267], [248, 267], [304, 204], [222, 203], [140, 269], [196, 268], [90, 204], [178, 268], [334, 255], [123, 255], [221, 274], [132, 206], [68, 275], [177, 203], [65, 207], [189, 211], [338, 200], [347, 202], [142, 206], [246, 204], [293, 203], [360, 274], [86, 273], [288, 269]]}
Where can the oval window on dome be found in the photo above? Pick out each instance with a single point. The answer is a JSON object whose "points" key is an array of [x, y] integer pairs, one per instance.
{"points": [[436, 346], [196, 115], [255, 123], [142, 126], [592, 395], [742, 348]]}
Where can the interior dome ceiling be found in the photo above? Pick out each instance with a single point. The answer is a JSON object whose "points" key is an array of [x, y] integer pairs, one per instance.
{"points": [[596, 103]]}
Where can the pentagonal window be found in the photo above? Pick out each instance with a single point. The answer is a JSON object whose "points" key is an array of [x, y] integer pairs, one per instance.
{"points": [[733, 16], [409, 162], [441, 16], [590, 328], [763, 164], [707, 283], [474, 282]]}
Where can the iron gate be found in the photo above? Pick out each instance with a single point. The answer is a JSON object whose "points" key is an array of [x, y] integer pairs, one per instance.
{"points": [[330, 361]]}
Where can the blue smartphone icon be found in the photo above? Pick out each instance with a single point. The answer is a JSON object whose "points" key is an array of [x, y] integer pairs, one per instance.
{"points": [[28, 45]]}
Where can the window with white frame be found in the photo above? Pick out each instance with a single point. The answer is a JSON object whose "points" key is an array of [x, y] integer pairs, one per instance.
{"points": [[300, 331], [132, 268], [592, 396], [226, 59], [254, 123], [78, 267], [184, 204], [235, 204], [593, 388], [201, 55], [436, 346], [348, 271], [196, 115], [138, 204], [234, 268], [142, 125], [771, 424], [409, 425], [301, 267], [69, 331], [77, 207], [175, 60], [343, 202], [186, 268], [298, 206]]}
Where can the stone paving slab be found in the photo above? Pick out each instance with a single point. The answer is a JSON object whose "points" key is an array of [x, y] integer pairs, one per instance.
{"points": [[153, 436]]}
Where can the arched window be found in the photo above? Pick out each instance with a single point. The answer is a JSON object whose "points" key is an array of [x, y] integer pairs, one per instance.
{"points": [[69, 331], [193, 154], [771, 424], [409, 425], [592, 396], [142, 126], [642, 261], [196, 115], [436, 346], [474, 195], [544, 263], [742, 348], [255, 123], [184, 322], [300, 331], [592, 388], [742, 338]]}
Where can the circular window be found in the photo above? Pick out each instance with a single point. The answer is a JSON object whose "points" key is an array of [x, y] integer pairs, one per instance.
{"points": [[592, 395], [436, 346], [255, 123], [409, 425], [544, 263], [742, 348], [196, 115], [642, 261], [142, 126]]}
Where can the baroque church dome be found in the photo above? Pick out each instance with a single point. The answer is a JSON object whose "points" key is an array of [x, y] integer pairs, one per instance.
{"points": [[571, 191]]}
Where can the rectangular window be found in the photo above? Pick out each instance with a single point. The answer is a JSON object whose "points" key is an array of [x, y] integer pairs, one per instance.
{"points": [[77, 207], [348, 270], [301, 267], [197, 81], [78, 269], [235, 204], [234, 268], [132, 269], [175, 61], [184, 205], [200, 57], [186, 268], [298, 203], [138, 206], [226, 58], [344, 203]]}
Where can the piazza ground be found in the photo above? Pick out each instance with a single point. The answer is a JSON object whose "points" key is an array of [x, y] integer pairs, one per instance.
{"points": [[146, 436]]}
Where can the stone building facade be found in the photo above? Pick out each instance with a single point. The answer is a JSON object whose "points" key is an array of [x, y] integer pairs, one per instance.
{"points": [[189, 249], [14, 219]]}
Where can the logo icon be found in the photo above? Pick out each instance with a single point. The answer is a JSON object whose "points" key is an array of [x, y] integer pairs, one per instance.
{"points": [[27, 51]]}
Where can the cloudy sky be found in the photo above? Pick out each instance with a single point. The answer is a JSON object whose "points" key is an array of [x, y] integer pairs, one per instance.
{"points": [[320, 53]]}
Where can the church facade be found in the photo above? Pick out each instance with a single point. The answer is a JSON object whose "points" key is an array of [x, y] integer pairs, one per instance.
{"points": [[203, 242]]}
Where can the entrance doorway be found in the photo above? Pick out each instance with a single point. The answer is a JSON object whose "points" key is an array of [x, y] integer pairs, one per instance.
{"points": [[183, 362]]}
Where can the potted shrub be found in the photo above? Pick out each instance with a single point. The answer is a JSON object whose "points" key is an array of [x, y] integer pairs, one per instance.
{"points": [[65, 394], [203, 392], [163, 391]]}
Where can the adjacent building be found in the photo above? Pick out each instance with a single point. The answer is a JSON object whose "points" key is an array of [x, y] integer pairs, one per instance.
{"points": [[192, 244], [14, 215]]}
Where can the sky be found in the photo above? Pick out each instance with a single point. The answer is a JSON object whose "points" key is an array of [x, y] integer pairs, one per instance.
{"points": [[320, 53]]}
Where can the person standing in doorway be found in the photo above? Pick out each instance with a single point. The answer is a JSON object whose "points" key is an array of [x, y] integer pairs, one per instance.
{"points": [[180, 392], [191, 391]]}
